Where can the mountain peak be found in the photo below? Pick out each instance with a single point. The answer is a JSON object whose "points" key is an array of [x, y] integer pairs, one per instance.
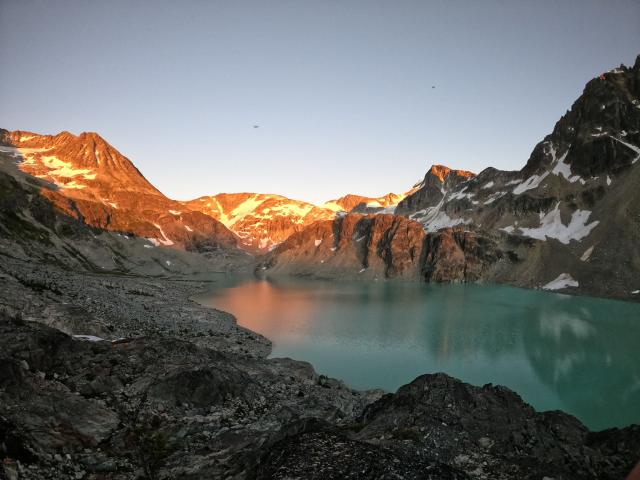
{"points": [[442, 172]]}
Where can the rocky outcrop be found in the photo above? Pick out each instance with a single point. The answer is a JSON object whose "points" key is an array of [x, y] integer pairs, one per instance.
{"points": [[431, 190], [75, 409], [384, 246], [457, 255], [598, 134], [490, 432], [86, 178], [367, 245]]}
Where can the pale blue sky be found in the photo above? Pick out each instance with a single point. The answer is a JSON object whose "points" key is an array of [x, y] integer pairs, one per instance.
{"points": [[341, 89]]}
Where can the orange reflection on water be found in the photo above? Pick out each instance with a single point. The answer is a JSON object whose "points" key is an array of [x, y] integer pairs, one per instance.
{"points": [[265, 308]]}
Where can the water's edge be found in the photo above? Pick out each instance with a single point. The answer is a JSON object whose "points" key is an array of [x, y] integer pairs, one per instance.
{"points": [[564, 328]]}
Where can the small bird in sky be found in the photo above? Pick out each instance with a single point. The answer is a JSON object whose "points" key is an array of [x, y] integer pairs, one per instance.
{"points": [[256, 126], [433, 86]]}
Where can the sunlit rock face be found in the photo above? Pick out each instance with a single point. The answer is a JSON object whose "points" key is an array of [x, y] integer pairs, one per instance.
{"points": [[572, 212], [263, 221], [88, 179], [382, 246]]}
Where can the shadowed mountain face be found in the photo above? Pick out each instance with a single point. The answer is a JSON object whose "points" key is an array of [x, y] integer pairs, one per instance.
{"points": [[86, 178], [568, 219]]}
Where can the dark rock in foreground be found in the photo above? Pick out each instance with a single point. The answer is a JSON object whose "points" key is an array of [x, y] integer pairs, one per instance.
{"points": [[160, 407]]}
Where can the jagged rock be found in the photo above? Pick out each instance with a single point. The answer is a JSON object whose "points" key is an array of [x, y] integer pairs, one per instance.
{"points": [[324, 455], [431, 191], [489, 431]]}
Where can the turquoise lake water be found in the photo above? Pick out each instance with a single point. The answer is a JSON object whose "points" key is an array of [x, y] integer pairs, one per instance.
{"points": [[577, 354]]}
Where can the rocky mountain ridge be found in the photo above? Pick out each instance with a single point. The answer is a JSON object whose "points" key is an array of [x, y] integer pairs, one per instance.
{"points": [[263, 221], [86, 178], [565, 221]]}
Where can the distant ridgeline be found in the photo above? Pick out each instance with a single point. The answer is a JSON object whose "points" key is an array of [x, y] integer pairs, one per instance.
{"points": [[569, 219]]}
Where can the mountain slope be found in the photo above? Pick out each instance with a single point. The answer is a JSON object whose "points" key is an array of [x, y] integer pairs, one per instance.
{"points": [[88, 179], [567, 220], [263, 221]]}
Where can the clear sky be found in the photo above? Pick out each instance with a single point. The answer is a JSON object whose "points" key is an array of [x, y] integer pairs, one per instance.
{"points": [[341, 89]]}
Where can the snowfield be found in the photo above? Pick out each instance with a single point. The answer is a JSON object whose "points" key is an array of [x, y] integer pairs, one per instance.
{"points": [[551, 226], [563, 280]]}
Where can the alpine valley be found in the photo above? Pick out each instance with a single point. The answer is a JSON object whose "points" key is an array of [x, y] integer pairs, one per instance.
{"points": [[97, 268]]}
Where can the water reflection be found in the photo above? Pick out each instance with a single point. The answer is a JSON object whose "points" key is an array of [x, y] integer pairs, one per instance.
{"points": [[586, 353], [575, 354]]}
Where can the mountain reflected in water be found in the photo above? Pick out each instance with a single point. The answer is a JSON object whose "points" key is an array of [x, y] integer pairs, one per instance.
{"points": [[576, 354]]}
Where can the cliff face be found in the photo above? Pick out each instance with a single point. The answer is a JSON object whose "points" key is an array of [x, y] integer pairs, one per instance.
{"points": [[383, 246], [86, 178]]}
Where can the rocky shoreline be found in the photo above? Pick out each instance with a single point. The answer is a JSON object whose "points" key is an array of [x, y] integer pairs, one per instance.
{"points": [[161, 387]]}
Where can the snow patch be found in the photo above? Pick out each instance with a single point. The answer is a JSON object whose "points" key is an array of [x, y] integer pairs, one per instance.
{"points": [[174, 212], [165, 241], [264, 242], [551, 226], [494, 197], [317, 242], [188, 228], [60, 168], [442, 220], [488, 185], [532, 182], [564, 169], [564, 280], [632, 147], [608, 180], [587, 253], [461, 195], [333, 206], [89, 338]]}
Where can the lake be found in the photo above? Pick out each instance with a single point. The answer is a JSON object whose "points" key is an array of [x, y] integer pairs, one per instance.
{"points": [[577, 354]]}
